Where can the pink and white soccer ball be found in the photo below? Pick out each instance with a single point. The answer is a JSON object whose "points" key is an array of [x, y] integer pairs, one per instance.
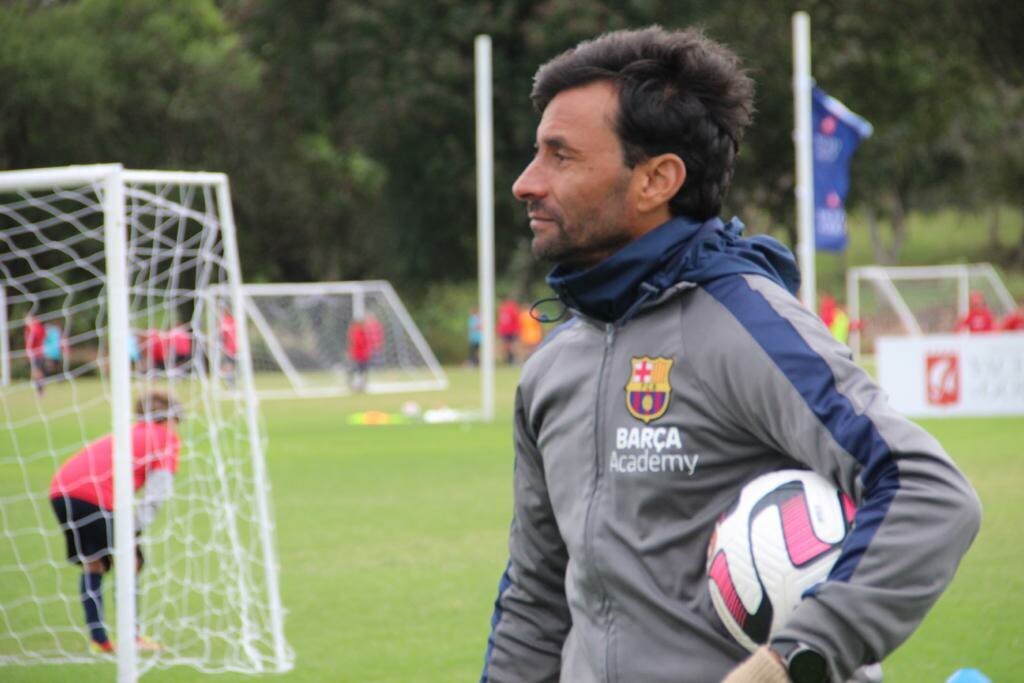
{"points": [[780, 538]]}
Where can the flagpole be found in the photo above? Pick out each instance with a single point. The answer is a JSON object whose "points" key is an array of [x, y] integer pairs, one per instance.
{"points": [[485, 220], [802, 139]]}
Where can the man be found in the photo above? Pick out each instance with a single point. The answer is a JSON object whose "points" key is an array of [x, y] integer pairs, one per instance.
{"points": [[82, 496], [687, 348]]}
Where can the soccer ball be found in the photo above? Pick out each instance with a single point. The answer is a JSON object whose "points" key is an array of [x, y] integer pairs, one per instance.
{"points": [[780, 538]]}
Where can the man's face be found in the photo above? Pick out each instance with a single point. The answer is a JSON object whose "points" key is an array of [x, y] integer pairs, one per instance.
{"points": [[577, 189]]}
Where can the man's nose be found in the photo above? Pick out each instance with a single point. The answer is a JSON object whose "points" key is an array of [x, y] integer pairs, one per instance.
{"points": [[530, 184]]}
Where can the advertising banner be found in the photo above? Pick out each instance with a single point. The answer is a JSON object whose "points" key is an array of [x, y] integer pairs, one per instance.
{"points": [[953, 374]]}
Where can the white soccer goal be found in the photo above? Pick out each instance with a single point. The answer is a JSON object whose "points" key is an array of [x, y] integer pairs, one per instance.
{"points": [[107, 254], [913, 300], [300, 340]]}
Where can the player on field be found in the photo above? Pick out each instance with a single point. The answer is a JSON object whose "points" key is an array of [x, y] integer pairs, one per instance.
{"points": [[359, 354], [979, 317], [835, 318], [229, 346], [156, 349], [508, 328], [179, 339], [688, 355], [35, 335], [134, 352], [474, 336], [531, 333], [374, 335], [1013, 321], [54, 346], [82, 496]]}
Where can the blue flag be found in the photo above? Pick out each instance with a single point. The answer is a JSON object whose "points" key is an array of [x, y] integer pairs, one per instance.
{"points": [[837, 132]]}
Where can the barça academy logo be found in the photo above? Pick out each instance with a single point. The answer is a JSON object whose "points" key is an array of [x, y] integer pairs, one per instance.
{"points": [[648, 390]]}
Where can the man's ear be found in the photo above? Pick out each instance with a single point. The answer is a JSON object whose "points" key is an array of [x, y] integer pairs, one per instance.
{"points": [[661, 178]]}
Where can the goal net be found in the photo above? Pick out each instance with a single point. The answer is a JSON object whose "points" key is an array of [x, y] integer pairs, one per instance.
{"points": [[129, 271], [915, 300], [334, 338]]}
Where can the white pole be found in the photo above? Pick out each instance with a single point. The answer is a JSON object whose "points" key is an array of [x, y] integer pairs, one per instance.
{"points": [[988, 272], [485, 220], [439, 381], [244, 370], [803, 140], [358, 304], [273, 345], [115, 238], [5, 352], [963, 299]]}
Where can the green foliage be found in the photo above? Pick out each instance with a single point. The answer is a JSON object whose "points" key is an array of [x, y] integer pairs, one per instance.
{"points": [[348, 128]]}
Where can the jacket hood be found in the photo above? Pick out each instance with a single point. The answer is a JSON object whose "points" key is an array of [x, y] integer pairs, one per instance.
{"points": [[679, 250]]}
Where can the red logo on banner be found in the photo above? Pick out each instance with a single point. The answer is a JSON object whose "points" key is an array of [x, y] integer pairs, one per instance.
{"points": [[943, 378]]}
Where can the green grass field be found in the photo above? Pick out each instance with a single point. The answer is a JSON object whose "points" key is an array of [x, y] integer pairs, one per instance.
{"points": [[392, 540]]}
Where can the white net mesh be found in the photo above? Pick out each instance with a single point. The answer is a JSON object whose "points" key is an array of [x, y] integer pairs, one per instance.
{"points": [[302, 340], [204, 594]]}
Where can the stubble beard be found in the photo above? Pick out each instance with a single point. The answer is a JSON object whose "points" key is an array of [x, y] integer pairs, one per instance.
{"points": [[593, 242], [598, 233]]}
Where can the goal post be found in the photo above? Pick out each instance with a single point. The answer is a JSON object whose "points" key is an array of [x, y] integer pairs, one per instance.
{"points": [[132, 269], [916, 300], [5, 352], [303, 343]]}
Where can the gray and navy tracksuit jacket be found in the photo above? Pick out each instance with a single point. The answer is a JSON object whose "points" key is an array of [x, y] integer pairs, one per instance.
{"points": [[687, 371]]}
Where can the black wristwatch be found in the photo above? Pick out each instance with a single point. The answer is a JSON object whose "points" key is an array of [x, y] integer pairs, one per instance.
{"points": [[803, 663]]}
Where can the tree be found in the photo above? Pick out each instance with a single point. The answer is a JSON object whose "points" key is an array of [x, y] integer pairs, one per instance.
{"points": [[348, 128]]}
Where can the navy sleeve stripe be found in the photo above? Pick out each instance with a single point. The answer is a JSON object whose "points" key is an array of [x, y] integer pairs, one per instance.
{"points": [[814, 381], [503, 586]]}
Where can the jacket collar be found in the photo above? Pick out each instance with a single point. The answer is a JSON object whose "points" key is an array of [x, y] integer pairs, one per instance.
{"points": [[679, 250]]}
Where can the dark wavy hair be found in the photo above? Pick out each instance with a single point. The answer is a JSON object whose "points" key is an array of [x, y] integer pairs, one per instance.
{"points": [[158, 406], [679, 92]]}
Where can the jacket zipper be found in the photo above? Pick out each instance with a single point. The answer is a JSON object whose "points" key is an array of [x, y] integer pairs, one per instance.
{"points": [[609, 340]]}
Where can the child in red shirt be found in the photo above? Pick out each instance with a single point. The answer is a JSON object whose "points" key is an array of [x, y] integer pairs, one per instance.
{"points": [[359, 352], [82, 496], [35, 334]]}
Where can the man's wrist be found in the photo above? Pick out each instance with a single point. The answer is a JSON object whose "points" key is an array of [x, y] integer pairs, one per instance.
{"points": [[803, 663], [762, 666]]}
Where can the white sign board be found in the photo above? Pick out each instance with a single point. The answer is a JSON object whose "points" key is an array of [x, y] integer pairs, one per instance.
{"points": [[953, 374]]}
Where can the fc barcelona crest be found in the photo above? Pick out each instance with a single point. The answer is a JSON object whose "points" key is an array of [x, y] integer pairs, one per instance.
{"points": [[648, 390]]}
